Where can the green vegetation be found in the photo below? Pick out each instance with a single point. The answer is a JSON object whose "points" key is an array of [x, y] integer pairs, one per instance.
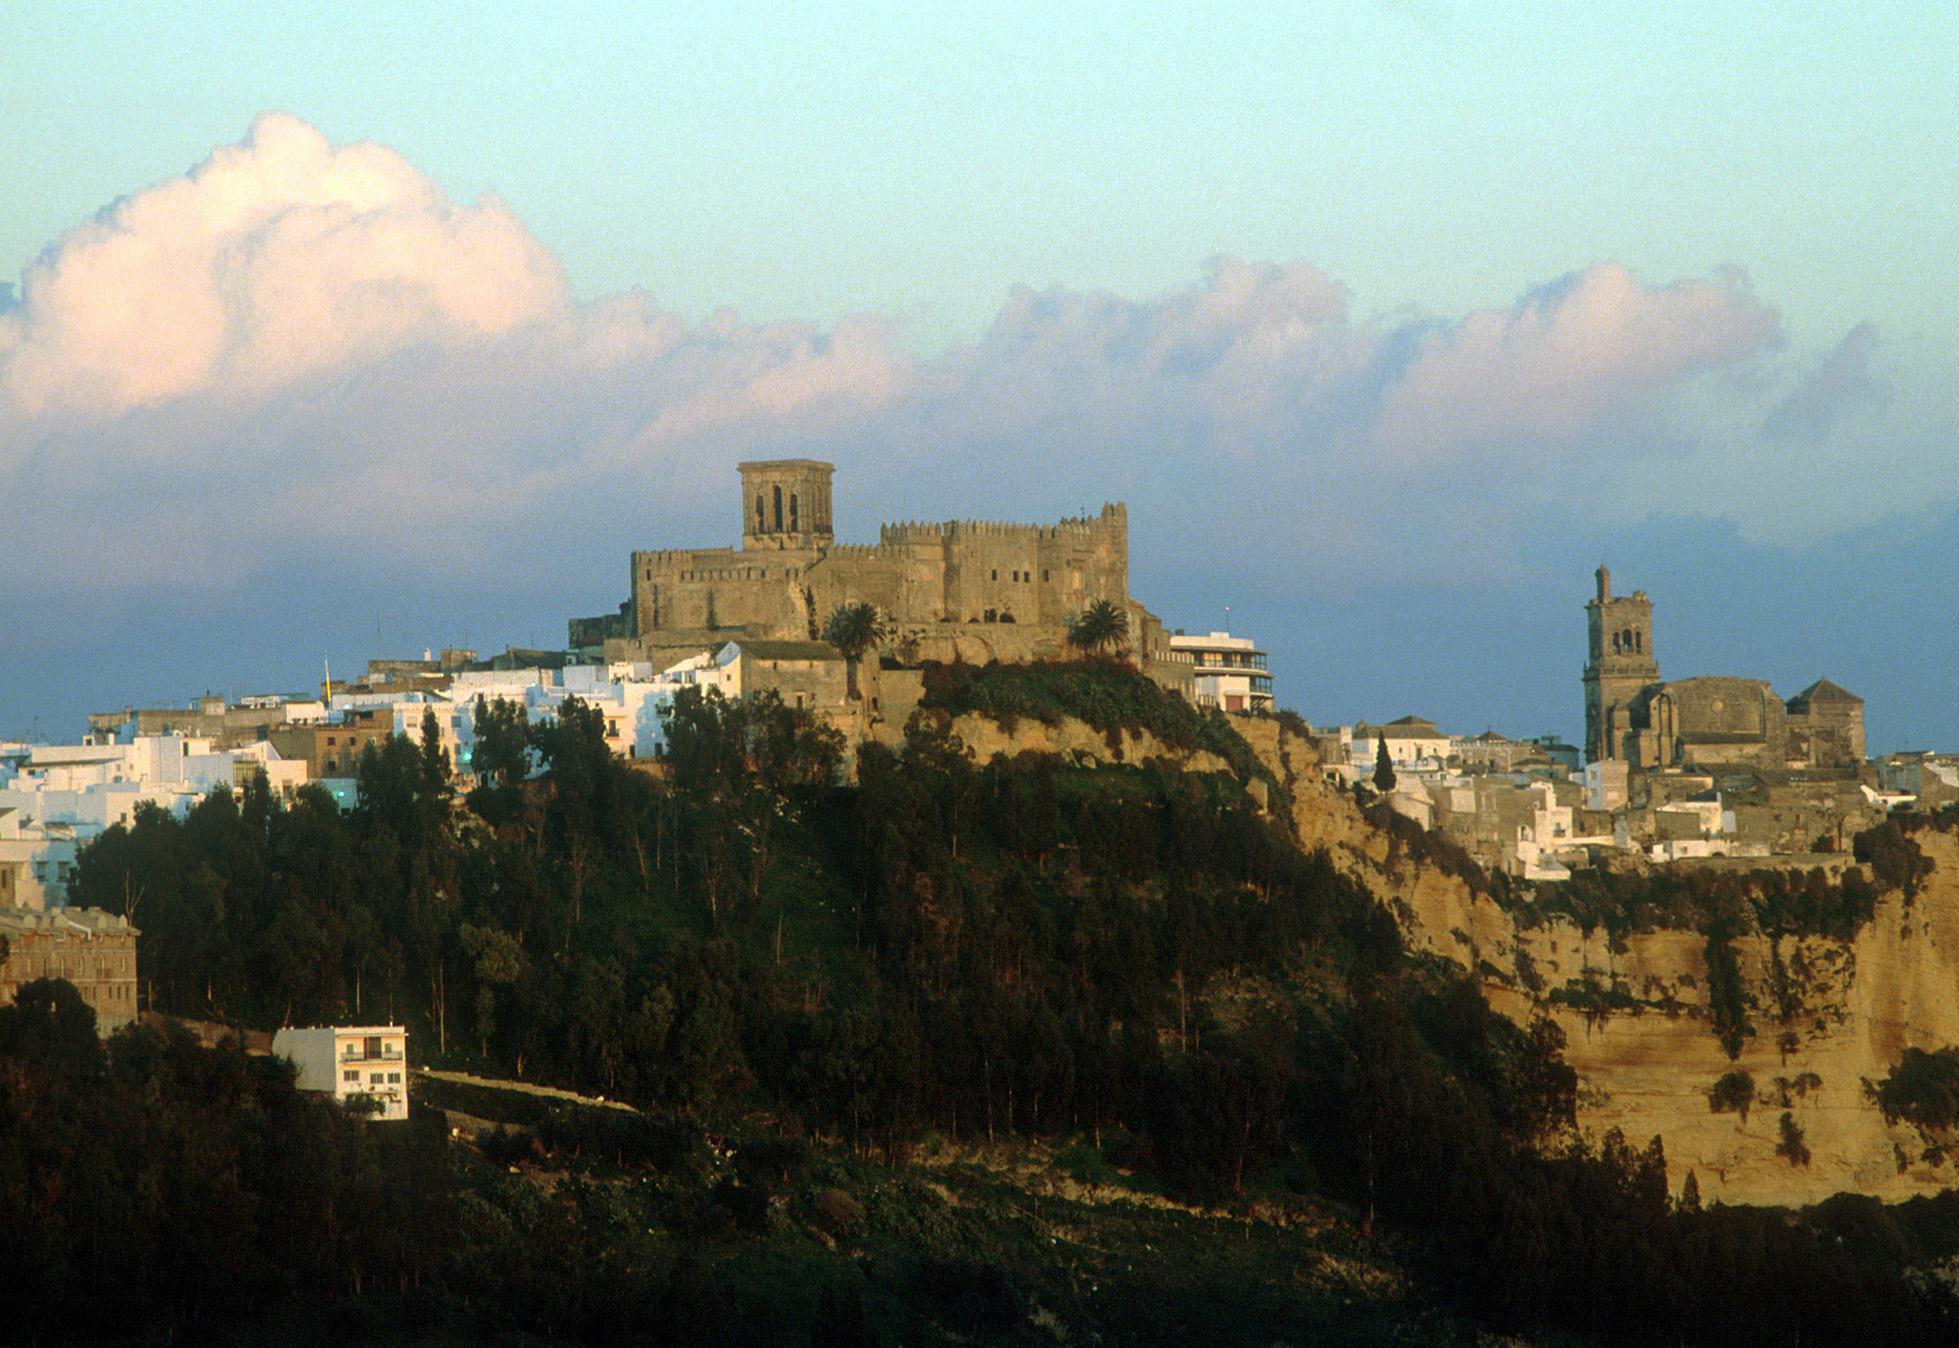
{"points": [[1100, 629], [1791, 1147], [855, 629], [1922, 1089], [1893, 856], [1785, 902], [1384, 778], [1104, 695], [1726, 999], [857, 1019], [1733, 1093], [1429, 847]]}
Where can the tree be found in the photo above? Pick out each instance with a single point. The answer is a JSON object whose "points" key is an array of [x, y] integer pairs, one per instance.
{"points": [[50, 1024], [502, 749], [855, 629], [1383, 767], [1100, 628]]}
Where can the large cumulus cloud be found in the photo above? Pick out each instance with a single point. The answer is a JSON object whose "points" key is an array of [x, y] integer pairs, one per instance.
{"points": [[303, 346], [275, 259]]}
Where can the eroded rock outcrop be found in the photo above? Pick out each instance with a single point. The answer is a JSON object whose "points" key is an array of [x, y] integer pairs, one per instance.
{"points": [[1824, 1017]]}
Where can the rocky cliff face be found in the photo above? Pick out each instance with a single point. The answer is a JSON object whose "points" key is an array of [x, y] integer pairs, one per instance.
{"points": [[1825, 1018]]}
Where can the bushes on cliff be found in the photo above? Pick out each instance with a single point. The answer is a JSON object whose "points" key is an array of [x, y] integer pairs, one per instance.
{"points": [[1922, 1089], [1406, 837], [1727, 1001], [1732, 1093], [1106, 695], [1893, 856], [1785, 902]]}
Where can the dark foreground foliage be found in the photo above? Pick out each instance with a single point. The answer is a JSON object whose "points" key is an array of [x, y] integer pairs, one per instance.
{"points": [[1135, 965]]}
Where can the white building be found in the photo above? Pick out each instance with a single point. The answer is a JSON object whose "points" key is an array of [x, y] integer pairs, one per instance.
{"points": [[357, 1063], [1549, 842], [1229, 672], [55, 798], [1414, 746]]}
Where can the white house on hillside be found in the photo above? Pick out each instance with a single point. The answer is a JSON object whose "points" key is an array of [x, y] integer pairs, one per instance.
{"points": [[354, 1063]]}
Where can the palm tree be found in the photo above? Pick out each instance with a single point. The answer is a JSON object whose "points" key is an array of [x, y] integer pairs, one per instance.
{"points": [[855, 629], [1102, 626]]}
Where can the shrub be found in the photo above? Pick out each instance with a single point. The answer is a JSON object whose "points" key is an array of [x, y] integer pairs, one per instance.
{"points": [[1922, 1089], [1733, 1093], [1791, 1146]]}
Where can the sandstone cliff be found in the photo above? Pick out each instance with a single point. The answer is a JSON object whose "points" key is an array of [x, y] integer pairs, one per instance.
{"points": [[1639, 1032]]}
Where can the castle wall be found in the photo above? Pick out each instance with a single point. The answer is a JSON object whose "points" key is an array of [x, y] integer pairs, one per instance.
{"points": [[963, 571], [721, 589]]}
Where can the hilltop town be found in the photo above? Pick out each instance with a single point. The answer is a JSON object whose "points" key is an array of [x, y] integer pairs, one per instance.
{"points": [[1701, 770], [945, 854]]}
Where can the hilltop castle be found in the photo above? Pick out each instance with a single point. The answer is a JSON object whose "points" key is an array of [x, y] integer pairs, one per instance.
{"points": [[961, 589], [1634, 717]]}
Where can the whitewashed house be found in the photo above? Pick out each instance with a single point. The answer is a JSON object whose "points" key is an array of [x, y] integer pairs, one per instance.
{"points": [[352, 1063]]}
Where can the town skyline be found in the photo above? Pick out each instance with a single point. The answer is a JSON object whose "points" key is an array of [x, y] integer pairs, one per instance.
{"points": [[1387, 379]]}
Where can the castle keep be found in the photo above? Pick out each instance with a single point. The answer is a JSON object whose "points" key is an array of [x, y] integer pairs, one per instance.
{"points": [[1631, 715], [961, 589]]}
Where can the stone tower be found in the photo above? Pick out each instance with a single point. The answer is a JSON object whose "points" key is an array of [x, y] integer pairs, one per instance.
{"points": [[1620, 663], [786, 504]]}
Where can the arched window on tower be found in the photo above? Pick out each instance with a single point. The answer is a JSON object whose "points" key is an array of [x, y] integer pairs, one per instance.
{"points": [[1639, 642], [793, 526], [761, 520], [1615, 643], [778, 510]]}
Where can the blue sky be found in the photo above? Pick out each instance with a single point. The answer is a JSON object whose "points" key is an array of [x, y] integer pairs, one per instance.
{"points": [[1389, 320]]}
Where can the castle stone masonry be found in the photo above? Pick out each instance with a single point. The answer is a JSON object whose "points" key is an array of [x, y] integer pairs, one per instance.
{"points": [[1631, 715], [960, 589]]}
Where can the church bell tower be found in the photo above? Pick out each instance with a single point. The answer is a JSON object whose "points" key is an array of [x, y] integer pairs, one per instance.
{"points": [[1620, 664]]}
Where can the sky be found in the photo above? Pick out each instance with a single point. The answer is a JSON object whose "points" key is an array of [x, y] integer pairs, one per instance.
{"points": [[334, 331]]}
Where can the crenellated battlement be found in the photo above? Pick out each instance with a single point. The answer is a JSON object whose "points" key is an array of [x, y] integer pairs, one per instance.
{"points": [[789, 571], [1071, 527]]}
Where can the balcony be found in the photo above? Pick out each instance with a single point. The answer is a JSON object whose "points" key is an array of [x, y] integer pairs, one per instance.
{"points": [[381, 1055]]}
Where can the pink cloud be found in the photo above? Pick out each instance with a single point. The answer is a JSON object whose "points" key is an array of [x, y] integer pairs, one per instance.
{"points": [[314, 343], [1566, 355], [276, 258]]}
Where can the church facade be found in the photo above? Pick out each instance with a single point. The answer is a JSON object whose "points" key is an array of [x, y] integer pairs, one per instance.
{"points": [[1634, 716]]}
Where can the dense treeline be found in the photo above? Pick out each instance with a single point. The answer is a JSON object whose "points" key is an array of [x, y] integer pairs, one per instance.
{"points": [[1140, 959], [152, 1178]]}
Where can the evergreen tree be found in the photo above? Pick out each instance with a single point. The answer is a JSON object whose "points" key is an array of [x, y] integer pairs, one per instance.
{"points": [[1384, 778]]}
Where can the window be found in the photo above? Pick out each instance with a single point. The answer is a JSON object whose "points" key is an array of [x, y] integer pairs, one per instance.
{"points": [[778, 510], [351, 1076], [792, 513], [394, 1078]]}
